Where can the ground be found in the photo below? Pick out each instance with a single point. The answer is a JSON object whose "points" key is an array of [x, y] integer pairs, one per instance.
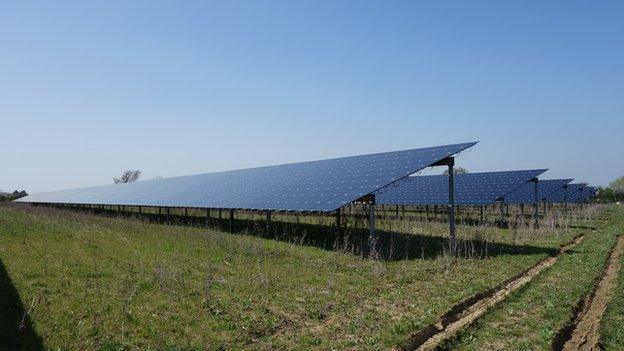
{"points": [[74, 281]]}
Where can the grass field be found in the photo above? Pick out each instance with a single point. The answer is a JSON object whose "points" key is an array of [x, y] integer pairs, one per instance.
{"points": [[612, 328], [529, 319], [97, 283]]}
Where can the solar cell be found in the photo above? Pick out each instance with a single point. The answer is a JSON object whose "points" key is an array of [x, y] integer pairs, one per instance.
{"points": [[472, 189], [526, 193], [324, 185]]}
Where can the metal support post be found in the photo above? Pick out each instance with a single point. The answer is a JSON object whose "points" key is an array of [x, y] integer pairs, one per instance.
{"points": [[451, 205], [338, 222], [536, 204], [231, 221], [502, 214], [371, 225], [481, 215], [268, 223]]}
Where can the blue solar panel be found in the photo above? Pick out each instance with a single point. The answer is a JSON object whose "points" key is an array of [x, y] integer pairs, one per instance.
{"points": [[586, 194], [566, 194], [472, 189], [578, 194], [526, 193], [323, 185], [593, 191]]}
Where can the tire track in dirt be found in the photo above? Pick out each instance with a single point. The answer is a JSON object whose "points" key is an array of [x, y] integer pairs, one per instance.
{"points": [[585, 332], [466, 312]]}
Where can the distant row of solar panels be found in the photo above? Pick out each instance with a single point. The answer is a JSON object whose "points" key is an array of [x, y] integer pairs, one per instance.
{"points": [[471, 189], [327, 185], [526, 193]]}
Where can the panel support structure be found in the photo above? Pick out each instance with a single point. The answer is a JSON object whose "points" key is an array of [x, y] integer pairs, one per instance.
{"points": [[536, 203], [268, 223], [231, 221], [450, 162], [452, 207], [481, 209], [372, 235], [338, 219]]}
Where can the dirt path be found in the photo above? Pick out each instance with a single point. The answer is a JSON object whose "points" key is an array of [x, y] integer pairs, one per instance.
{"points": [[467, 311], [586, 334]]}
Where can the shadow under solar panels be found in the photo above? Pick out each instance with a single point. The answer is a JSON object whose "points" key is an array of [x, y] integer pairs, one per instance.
{"points": [[471, 189], [322, 186], [526, 193]]}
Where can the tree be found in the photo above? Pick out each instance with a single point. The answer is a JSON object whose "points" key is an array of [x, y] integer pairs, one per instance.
{"points": [[456, 170], [617, 185], [128, 177], [12, 196]]}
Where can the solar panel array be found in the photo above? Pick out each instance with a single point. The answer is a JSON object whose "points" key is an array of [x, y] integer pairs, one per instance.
{"points": [[566, 194], [472, 189], [324, 185], [526, 193]]}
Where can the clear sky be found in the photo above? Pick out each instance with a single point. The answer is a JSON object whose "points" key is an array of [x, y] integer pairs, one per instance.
{"points": [[89, 89]]}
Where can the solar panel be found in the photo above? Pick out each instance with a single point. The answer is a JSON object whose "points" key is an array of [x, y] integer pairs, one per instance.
{"points": [[472, 189], [565, 194], [586, 194], [592, 193], [578, 197], [578, 194], [324, 185], [526, 193]]}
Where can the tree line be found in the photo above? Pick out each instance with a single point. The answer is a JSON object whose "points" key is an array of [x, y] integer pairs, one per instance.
{"points": [[612, 193], [12, 196]]}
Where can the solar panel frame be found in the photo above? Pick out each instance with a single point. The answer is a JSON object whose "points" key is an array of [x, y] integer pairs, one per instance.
{"points": [[471, 189], [313, 186]]}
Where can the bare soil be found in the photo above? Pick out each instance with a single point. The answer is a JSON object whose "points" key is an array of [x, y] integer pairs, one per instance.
{"points": [[467, 311], [586, 335]]}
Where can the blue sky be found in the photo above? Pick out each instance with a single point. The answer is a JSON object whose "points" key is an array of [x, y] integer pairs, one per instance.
{"points": [[181, 87]]}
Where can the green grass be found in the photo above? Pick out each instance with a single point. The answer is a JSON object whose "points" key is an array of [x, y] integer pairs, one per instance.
{"points": [[612, 330], [530, 318], [95, 283]]}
